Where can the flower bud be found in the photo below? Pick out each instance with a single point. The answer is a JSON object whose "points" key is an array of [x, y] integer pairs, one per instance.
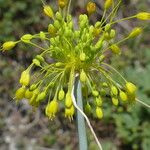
{"points": [[51, 109], [8, 45], [96, 31], [61, 94], [82, 56], [33, 87], [123, 96], [135, 32], [91, 8], [32, 101], [40, 58], [58, 16], [83, 76], [114, 90], [26, 38], [68, 100], [131, 88], [112, 33], [41, 97], [20, 93], [56, 24], [52, 30], [36, 62], [108, 4], [143, 16], [103, 92], [104, 84], [107, 27], [115, 101], [99, 113], [95, 93], [28, 94], [88, 108], [42, 35], [69, 112], [59, 64], [25, 78], [98, 24], [62, 3], [48, 11], [115, 49], [98, 101], [106, 36]]}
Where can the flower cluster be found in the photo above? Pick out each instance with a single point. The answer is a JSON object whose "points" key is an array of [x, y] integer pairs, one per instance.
{"points": [[76, 51]]}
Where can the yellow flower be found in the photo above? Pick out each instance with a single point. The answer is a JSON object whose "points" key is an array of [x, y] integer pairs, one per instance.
{"points": [[143, 16], [135, 32], [48, 11], [20, 93], [8, 45], [25, 78], [51, 109], [69, 112], [99, 113], [108, 4], [62, 3], [91, 8]]}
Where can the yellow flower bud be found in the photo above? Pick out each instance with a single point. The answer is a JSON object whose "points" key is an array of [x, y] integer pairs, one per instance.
{"points": [[83, 76], [68, 100], [99, 113], [135, 32], [20, 93], [95, 93], [62, 3], [123, 96], [82, 56], [69, 112], [131, 88], [114, 90], [115, 49], [96, 31], [25, 78], [115, 101], [51, 109], [108, 4], [48, 11], [143, 16], [26, 38], [52, 30], [91, 8], [104, 84], [61, 94], [8, 45], [28, 94]]}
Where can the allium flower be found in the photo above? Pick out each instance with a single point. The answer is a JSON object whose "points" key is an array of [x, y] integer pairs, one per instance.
{"points": [[75, 52]]}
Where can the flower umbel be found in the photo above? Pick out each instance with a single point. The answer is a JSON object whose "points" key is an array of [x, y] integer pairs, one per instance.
{"points": [[76, 51]]}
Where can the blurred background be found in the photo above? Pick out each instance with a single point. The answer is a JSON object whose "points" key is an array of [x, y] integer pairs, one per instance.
{"points": [[22, 128]]}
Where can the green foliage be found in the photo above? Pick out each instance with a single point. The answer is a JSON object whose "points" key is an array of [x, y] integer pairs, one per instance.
{"points": [[18, 17]]}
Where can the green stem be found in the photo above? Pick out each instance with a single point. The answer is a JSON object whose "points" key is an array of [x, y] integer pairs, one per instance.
{"points": [[80, 119]]}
